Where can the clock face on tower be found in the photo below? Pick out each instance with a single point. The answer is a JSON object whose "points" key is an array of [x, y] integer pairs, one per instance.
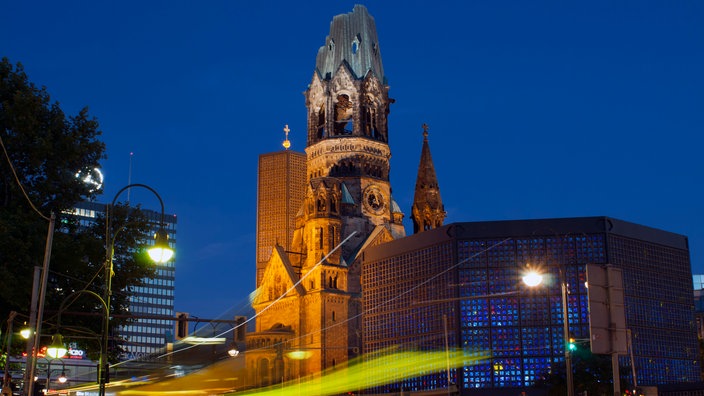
{"points": [[373, 200]]}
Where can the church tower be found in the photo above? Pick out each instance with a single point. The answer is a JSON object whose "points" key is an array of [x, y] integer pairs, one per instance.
{"points": [[309, 299], [427, 212]]}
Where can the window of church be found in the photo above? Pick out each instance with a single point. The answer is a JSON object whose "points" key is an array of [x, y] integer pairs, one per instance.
{"points": [[343, 115], [333, 233], [355, 43]]}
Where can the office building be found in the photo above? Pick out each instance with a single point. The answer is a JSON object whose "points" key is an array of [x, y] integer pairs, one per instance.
{"points": [[467, 276]]}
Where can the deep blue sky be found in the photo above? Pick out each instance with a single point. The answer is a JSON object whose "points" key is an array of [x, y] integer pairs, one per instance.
{"points": [[536, 109]]}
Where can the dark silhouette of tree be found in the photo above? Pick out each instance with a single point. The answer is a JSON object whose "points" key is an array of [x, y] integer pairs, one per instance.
{"points": [[47, 149], [591, 373]]}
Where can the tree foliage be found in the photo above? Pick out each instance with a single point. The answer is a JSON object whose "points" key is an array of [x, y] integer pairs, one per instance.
{"points": [[47, 149], [590, 373]]}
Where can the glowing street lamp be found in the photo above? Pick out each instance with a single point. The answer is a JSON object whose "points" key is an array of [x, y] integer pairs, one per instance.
{"points": [[534, 279], [26, 332], [57, 348], [160, 252], [233, 351], [61, 378]]}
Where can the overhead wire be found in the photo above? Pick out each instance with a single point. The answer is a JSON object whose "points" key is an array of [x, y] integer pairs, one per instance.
{"points": [[19, 183]]}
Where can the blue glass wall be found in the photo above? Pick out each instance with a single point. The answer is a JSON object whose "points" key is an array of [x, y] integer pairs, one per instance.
{"points": [[521, 327]]}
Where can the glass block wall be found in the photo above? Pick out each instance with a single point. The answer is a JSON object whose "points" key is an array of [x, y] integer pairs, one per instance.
{"points": [[522, 327], [474, 273]]}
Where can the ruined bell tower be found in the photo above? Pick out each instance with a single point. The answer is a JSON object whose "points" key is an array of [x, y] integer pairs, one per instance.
{"points": [[309, 300]]}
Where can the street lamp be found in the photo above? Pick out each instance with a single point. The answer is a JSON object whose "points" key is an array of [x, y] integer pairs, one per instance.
{"points": [[233, 351], [160, 252], [57, 349], [534, 279], [62, 378], [25, 333]]}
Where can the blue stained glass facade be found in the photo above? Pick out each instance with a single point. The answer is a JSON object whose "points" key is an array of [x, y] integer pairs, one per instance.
{"points": [[524, 330], [471, 273]]}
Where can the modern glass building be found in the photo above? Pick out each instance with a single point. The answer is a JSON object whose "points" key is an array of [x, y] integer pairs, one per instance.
{"points": [[153, 302], [698, 284], [466, 278]]}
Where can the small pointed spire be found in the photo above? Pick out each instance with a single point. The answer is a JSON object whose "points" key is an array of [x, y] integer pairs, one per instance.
{"points": [[286, 143], [427, 212]]}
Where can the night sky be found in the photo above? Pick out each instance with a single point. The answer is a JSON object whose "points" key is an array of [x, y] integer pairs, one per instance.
{"points": [[537, 109]]}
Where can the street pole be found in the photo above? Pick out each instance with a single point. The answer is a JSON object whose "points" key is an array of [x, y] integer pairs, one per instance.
{"points": [[6, 387], [566, 335], [32, 324], [31, 357], [161, 238], [447, 352]]}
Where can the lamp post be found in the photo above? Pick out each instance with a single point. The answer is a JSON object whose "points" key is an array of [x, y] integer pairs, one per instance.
{"points": [[37, 307], [62, 378], [25, 332], [160, 252], [534, 279]]}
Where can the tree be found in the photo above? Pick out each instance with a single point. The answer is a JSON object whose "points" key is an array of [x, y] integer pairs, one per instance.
{"points": [[47, 149], [591, 374]]}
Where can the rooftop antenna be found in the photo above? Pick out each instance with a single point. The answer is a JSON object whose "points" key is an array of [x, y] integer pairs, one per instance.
{"points": [[286, 143], [129, 178]]}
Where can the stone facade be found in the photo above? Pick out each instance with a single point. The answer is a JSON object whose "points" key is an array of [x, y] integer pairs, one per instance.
{"points": [[308, 300]]}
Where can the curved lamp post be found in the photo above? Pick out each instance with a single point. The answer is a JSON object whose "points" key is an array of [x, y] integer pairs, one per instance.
{"points": [[160, 252], [62, 378]]}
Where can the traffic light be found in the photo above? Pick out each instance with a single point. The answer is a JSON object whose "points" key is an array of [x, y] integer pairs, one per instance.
{"points": [[181, 325], [240, 328], [572, 345]]}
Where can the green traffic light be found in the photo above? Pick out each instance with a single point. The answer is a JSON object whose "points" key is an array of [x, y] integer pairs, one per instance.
{"points": [[572, 346]]}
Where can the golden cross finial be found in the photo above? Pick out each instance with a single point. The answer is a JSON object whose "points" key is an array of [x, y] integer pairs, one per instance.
{"points": [[425, 130], [286, 143]]}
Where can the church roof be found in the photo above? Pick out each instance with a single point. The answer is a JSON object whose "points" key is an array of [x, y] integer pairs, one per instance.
{"points": [[353, 42]]}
